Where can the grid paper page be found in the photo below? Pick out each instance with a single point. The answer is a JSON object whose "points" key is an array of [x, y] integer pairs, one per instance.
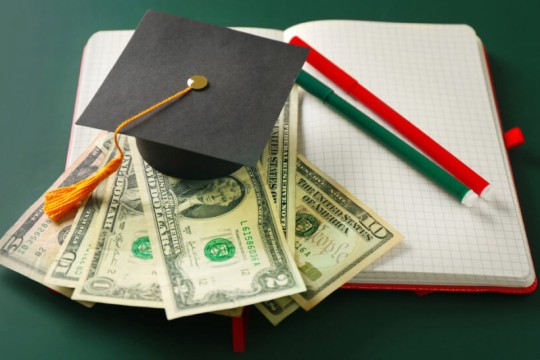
{"points": [[433, 75], [99, 56]]}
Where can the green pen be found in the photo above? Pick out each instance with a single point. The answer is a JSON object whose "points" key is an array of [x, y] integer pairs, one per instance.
{"points": [[423, 164]]}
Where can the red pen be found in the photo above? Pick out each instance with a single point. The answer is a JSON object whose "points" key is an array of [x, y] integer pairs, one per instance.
{"points": [[419, 138]]}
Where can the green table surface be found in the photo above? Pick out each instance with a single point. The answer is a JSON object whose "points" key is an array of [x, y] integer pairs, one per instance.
{"points": [[41, 44]]}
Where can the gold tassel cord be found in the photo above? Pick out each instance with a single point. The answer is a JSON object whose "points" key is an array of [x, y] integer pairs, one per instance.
{"points": [[61, 201]]}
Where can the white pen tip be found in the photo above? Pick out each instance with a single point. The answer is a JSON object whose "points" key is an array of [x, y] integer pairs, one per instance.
{"points": [[487, 193], [469, 199]]}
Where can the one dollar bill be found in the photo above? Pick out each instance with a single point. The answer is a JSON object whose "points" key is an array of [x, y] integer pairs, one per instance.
{"points": [[278, 162], [217, 242]]}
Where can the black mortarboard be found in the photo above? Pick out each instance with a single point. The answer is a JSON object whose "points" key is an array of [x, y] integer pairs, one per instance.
{"points": [[205, 134]]}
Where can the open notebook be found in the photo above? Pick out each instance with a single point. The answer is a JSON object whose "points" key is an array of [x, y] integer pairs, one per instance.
{"points": [[437, 77]]}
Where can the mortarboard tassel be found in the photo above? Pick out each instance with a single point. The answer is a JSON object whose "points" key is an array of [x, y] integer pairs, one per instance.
{"points": [[62, 201]]}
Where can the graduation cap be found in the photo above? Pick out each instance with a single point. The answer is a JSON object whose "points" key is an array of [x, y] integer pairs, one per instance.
{"points": [[206, 134], [203, 135]]}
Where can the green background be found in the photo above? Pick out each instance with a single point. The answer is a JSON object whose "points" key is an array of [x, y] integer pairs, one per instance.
{"points": [[41, 44]]}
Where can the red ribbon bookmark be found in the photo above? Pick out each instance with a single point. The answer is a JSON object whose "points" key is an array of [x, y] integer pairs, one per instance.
{"points": [[420, 139]]}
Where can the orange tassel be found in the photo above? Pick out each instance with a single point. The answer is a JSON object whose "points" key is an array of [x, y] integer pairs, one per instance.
{"points": [[62, 201]]}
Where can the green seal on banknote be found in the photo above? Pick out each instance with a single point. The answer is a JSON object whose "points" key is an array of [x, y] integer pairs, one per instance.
{"points": [[219, 250], [306, 224], [141, 248]]}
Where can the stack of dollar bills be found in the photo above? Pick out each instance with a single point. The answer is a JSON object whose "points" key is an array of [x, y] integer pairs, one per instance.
{"points": [[281, 235]]}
